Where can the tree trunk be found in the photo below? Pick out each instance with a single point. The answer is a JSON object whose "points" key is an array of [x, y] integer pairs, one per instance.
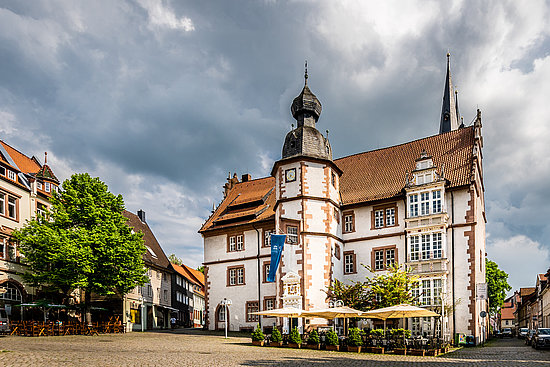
{"points": [[87, 302]]}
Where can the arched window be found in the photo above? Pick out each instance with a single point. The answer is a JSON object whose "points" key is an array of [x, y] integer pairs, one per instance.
{"points": [[12, 293]]}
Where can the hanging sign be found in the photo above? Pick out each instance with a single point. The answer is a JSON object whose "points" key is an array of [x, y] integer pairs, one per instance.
{"points": [[277, 244]]}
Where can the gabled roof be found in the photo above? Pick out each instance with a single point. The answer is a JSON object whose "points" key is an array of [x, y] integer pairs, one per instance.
{"points": [[154, 254], [22, 162], [507, 313], [46, 173], [369, 176], [199, 276], [247, 202], [194, 276], [381, 174], [526, 291]]}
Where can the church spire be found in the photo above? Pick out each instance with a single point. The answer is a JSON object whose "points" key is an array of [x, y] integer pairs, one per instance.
{"points": [[449, 110]]}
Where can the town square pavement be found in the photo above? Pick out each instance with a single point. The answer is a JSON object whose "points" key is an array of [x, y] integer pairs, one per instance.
{"points": [[197, 348]]}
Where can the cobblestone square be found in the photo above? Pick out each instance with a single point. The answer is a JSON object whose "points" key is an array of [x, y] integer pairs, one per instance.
{"points": [[196, 348]]}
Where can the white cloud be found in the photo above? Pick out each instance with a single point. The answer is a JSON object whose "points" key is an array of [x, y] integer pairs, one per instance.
{"points": [[7, 123], [162, 16], [519, 256]]}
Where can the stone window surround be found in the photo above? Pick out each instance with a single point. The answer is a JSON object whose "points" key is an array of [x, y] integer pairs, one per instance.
{"points": [[344, 215], [235, 235], [354, 260], [384, 207], [264, 271], [236, 276], [7, 194], [264, 230], [266, 298], [384, 248], [250, 317]]}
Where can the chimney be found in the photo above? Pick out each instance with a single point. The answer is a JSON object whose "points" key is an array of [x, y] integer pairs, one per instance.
{"points": [[246, 177], [141, 215]]}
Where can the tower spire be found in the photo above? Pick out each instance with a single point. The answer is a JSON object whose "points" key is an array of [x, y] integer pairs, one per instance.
{"points": [[305, 74], [449, 110]]}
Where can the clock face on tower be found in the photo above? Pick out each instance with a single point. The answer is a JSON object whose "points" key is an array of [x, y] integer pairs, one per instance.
{"points": [[290, 175]]}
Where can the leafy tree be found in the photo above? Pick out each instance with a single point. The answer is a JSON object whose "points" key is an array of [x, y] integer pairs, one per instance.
{"points": [[392, 288], [83, 242], [497, 285], [201, 269], [174, 259], [353, 295]]}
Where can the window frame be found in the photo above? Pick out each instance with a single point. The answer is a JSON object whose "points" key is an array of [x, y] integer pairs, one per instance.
{"points": [[233, 242], [353, 256], [249, 308], [384, 219], [274, 300], [267, 237], [384, 259], [236, 268], [348, 214], [265, 268], [289, 235]]}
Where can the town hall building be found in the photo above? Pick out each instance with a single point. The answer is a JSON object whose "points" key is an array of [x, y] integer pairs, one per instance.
{"points": [[418, 204]]}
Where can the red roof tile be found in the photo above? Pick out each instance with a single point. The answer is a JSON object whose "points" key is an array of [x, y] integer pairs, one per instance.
{"points": [[507, 314], [24, 163], [368, 176]]}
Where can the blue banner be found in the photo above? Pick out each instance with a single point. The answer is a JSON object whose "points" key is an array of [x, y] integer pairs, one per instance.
{"points": [[277, 244]]}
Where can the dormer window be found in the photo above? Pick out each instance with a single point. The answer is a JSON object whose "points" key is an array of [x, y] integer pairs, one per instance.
{"points": [[47, 186], [423, 164], [39, 185], [2, 171], [11, 175]]}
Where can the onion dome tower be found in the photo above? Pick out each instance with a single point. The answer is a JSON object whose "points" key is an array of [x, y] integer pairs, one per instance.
{"points": [[305, 139]]}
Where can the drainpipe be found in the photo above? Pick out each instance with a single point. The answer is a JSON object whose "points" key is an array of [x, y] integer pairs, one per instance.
{"points": [[453, 260], [259, 275]]}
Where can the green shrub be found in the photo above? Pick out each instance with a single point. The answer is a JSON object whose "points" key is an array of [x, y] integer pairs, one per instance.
{"points": [[257, 334], [313, 337], [276, 336], [377, 333], [295, 336], [354, 337], [331, 338]]}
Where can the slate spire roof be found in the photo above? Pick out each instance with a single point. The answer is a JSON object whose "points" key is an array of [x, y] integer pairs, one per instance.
{"points": [[305, 139], [449, 111]]}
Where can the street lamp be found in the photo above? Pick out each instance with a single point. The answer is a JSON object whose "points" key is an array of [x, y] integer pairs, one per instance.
{"points": [[225, 302], [141, 305]]}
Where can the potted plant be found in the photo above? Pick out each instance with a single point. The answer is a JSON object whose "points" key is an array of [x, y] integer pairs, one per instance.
{"points": [[399, 336], [295, 339], [354, 341], [276, 338], [258, 336], [377, 335], [313, 340], [331, 341]]}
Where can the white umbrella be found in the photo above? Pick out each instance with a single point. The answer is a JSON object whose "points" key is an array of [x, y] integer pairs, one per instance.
{"points": [[281, 312], [334, 312]]}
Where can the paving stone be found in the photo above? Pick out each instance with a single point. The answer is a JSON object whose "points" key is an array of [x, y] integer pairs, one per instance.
{"points": [[197, 348]]}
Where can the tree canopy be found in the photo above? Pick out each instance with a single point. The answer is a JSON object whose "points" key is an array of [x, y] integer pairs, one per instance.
{"points": [[83, 242], [175, 260], [388, 289], [497, 285]]}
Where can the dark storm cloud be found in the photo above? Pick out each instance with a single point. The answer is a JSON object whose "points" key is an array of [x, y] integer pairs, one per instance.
{"points": [[162, 98]]}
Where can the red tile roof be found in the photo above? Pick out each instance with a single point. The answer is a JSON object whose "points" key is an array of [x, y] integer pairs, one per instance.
{"points": [[24, 163], [368, 176], [194, 276], [507, 314]]}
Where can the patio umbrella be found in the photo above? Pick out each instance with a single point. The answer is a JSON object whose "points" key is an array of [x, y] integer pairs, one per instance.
{"points": [[399, 311], [281, 312], [334, 312], [43, 304], [289, 312]]}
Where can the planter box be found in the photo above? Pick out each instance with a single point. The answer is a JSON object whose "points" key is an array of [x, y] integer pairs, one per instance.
{"points": [[377, 350], [333, 347], [259, 343], [416, 352], [432, 352], [400, 351], [354, 349], [294, 345], [313, 346], [275, 344]]}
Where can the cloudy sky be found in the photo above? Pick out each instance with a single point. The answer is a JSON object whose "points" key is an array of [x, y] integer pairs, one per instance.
{"points": [[161, 99]]}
